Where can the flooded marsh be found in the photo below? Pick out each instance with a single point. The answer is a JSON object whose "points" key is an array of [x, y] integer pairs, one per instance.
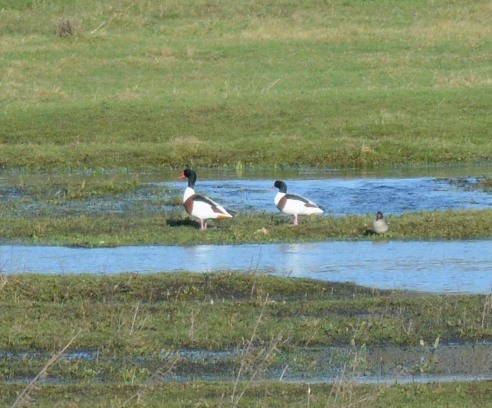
{"points": [[190, 327], [321, 304], [327, 365], [113, 209], [393, 192]]}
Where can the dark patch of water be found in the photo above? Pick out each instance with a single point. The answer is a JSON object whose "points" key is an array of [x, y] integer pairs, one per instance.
{"points": [[426, 266]]}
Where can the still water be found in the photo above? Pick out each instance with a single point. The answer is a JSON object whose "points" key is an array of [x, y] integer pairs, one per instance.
{"points": [[393, 192], [353, 196], [430, 266]]}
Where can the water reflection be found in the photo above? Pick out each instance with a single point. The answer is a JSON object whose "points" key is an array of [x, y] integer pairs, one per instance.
{"points": [[436, 266]]}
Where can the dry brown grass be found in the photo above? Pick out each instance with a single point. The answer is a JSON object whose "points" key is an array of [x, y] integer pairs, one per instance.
{"points": [[464, 79]]}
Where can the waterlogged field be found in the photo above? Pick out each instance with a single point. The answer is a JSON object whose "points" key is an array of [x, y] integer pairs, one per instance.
{"points": [[92, 209], [111, 88], [237, 340]]}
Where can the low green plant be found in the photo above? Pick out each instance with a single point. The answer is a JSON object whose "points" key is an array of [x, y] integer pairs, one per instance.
{"points": [[144, 313], [131, 329]]}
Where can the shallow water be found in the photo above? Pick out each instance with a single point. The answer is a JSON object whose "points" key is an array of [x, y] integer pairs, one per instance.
{"points": [[450, 266], [353, 196], [392, 191], [429, 266], [367, 365]]}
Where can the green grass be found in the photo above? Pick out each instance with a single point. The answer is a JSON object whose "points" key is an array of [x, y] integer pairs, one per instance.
{"points": [[454, 395], [344, 84], [219, 311], [134, 323], [176, 228]]}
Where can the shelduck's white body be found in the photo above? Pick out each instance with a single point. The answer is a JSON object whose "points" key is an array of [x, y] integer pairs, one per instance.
{"points": [[293, 204], [200, 206]]}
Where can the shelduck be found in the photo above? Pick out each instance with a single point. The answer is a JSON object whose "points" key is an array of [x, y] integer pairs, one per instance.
{"points": [[379, 225], [293, 204], [200, 206]]}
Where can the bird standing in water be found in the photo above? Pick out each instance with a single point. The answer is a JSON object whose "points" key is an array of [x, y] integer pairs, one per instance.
{"points": [[200, 206]]}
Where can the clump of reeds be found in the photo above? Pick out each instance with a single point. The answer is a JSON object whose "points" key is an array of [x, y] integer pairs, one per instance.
{"points": [[65, 28]]}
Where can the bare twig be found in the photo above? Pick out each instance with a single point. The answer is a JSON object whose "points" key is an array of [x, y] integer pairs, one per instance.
{"points": [[260, 367], [250, 342], [3, 281], [99, 27], [246, 353], [166, 370], [191, 334], [308, 396], [134, 317], [24, 396], [487, 305], [283, 373], [269, 87]]}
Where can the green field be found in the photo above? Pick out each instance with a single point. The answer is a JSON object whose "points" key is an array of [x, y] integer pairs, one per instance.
{"points": [[143, 84]]}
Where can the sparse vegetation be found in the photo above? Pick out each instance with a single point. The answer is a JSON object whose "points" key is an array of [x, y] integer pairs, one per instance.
{"points": [[264, 394], [176, 228], [486, 184]]}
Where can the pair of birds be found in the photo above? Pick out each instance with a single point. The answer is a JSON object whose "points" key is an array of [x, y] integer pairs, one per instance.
{"points": [[204, 208]]}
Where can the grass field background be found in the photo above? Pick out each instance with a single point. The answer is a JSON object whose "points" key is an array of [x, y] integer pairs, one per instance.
{"points": [[211, 83]]}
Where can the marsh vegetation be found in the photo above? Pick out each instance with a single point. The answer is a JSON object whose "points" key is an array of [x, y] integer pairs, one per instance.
{"points": [[133, 331], [129, 85]]}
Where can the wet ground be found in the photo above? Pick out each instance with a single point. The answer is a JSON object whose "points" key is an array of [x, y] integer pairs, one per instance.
{"points": [[391, 191], [450, 266], [438, 267], [387, 364]]}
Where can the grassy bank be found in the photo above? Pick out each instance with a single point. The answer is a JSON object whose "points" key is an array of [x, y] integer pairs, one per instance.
{"points": [[219, 311], [177, 228], [455, 395], [133, 326], [138, 84]]}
